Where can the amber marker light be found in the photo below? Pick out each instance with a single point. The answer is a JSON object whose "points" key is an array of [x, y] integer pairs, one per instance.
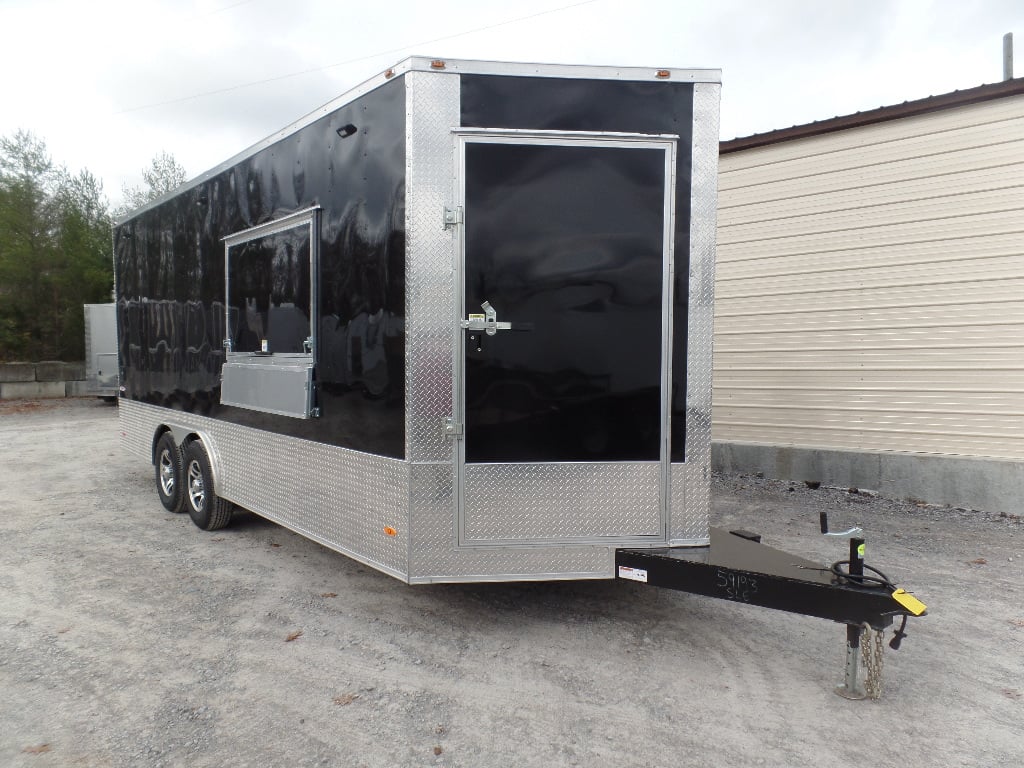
{"points": [[390, 531], [389, 73], [437, 64], [663, 74]]}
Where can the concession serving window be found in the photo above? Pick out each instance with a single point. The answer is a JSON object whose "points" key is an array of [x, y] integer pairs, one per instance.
{"points": [[271, 287]]}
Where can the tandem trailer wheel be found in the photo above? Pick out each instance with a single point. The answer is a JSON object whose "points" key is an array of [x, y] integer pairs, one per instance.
{"points": [[208, 510], [169, 469]]}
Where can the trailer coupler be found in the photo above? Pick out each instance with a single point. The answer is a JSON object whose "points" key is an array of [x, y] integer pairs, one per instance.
{"points": [[737, 567]]}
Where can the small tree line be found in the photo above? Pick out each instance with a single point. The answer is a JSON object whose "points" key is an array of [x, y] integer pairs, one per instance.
{"points": [[55, 246]]}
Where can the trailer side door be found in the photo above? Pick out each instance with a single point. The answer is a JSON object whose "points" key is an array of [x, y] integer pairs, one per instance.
{"points": [[564, 363]]}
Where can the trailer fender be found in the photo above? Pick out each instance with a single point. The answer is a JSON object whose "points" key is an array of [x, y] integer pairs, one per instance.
{"points": [[184, 435], [181, 434]]}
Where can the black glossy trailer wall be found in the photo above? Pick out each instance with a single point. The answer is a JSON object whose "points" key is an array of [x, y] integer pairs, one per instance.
{"points": [[170, 276]]}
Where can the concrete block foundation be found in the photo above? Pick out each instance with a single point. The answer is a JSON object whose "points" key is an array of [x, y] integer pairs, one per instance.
{"points": [[17, 372], [993, 485], [51, 378], [25, 390], [55, 370]]}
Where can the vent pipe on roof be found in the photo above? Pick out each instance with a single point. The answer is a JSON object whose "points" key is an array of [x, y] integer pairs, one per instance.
{"points": [[1008, 56]]}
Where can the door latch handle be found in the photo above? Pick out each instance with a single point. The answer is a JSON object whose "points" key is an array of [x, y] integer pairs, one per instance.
{"points": [[488, 322]]}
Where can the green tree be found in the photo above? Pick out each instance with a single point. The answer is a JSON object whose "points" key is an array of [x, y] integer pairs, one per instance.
{"points": [[163, 175], [54, 252], [26, 247], [86, 268]]}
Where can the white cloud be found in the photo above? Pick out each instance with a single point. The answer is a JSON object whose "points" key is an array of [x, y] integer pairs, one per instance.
{"points": [[77, 73]]}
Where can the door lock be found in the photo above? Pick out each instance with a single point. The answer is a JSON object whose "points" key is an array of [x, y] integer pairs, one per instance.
{"points": [[487, 322]]}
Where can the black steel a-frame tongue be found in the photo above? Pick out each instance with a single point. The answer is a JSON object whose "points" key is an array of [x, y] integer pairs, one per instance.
{"points": [[737, 567]]}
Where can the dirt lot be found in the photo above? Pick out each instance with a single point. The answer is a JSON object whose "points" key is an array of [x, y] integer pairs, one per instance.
{"points": [[130, 638]]}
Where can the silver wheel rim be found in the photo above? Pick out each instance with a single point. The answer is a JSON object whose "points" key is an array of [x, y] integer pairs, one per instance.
{"points": [[167, 479], [196, 491]]}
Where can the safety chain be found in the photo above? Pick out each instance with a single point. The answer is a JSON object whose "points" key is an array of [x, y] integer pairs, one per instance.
{"points": [[872, 655]]}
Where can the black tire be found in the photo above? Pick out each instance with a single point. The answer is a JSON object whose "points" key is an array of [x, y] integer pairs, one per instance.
{"points": [[169, 474], [207, 510]]}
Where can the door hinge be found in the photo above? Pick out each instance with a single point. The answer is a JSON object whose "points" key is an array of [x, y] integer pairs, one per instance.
{"points": [[453, 428], [452, 216]]}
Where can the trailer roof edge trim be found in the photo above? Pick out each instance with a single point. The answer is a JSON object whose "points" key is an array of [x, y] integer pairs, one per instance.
{"points": [[450, 66], [578, 71]]}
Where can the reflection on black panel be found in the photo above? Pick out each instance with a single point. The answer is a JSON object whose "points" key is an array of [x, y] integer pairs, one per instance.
{"points": [[566, 243], [169, 264], [268, 283]]}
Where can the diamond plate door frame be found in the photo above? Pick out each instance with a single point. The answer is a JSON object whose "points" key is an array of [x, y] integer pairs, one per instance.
{"points": [[691, 480]]}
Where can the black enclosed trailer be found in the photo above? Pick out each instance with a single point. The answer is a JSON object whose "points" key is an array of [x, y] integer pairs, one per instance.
{"points": [[455, 324]]}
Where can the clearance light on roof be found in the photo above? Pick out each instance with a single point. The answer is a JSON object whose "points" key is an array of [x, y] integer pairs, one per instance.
{"points": [[437, 64], [389, 73], [663, 74]]}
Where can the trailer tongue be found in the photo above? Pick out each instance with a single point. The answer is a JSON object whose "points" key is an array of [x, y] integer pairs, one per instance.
{"points": [[737, 566]]}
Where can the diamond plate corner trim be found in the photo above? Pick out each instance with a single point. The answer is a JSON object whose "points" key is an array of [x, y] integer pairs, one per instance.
{"points": [[136, 430], [341, 498], [691, 528], [432, 110], [691, 481]]}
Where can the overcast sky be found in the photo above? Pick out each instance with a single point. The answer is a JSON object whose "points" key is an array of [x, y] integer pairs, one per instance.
{"points": [[108, 84]]}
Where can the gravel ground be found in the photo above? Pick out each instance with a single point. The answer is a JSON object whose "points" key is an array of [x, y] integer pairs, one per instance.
{"points": [[130, 638]]}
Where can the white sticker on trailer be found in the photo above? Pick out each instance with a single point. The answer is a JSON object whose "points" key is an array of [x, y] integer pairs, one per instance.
{"points": [[633, 574]]}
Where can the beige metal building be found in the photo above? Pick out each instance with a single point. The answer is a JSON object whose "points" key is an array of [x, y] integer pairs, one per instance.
{"points": [[869, 310]]}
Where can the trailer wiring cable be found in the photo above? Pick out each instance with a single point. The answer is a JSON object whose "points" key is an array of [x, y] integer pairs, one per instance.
{"points": [[901, 633], [874, 580]]}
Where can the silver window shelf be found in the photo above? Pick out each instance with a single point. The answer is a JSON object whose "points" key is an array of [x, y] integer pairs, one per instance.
{"points": [[280, 384]]}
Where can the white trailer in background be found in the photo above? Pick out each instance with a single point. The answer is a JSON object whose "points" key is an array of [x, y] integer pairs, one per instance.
{"points": [[101, 350]]}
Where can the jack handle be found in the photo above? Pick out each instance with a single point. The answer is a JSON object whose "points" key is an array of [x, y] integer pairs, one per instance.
{"points": [[854, 533]]}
